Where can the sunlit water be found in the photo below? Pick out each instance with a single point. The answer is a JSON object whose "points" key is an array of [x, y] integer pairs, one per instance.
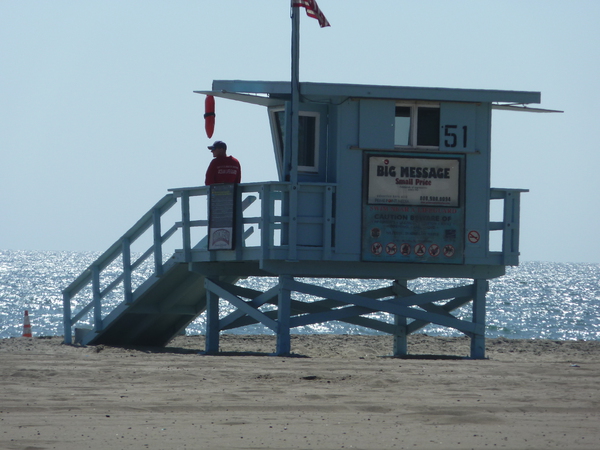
{"points": [[535, 300]]}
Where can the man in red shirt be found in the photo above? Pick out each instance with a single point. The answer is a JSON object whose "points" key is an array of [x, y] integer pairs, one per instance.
{"points": [[223, 168]]}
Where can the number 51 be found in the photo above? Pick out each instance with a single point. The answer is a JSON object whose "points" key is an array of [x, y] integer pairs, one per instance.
{"points": [[451, 137]]}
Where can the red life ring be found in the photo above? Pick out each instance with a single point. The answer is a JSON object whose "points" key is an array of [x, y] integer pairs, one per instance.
{"points": [[209, 115]]}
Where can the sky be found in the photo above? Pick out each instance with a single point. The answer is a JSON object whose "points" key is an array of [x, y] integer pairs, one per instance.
{"points": [[98, 118]]}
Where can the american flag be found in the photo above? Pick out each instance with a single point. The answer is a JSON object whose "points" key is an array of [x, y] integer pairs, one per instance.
{"points": [[312, 10]]}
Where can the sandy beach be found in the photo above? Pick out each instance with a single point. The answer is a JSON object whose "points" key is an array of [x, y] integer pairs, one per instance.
{"points": [[335, 392]]}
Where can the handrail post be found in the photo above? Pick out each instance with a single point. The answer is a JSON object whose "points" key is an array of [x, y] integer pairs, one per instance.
{"points": [[158, 267], [239, 224], [265, 226], [185, 224], [511, 226], [506, 228], [68, 337], [293, 195], [97, 300], [327, 222], [127, 270]]}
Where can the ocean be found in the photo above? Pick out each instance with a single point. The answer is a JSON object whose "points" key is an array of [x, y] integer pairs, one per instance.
{"points": [[537, 300]]}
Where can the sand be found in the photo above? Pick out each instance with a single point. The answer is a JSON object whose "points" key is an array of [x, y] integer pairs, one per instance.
{"points": [[336, 392]]}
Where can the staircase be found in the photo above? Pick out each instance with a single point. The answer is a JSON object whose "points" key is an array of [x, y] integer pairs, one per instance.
{"points": [[127, 307], [143, 298], [161, 310]]}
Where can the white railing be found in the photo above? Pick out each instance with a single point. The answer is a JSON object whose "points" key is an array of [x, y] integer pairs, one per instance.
{"points": [[105, 276], [114, 277], [287, 225], [509, 225]]}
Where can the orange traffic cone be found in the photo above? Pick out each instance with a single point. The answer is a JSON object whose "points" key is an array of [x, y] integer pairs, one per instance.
{"points": [[26, 325]]}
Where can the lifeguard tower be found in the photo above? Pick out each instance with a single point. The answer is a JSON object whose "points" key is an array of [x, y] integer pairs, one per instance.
{"points": [[375, 182]]}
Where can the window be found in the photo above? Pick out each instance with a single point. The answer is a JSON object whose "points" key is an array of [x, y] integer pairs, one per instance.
{"points": [[417, 125], [402, 126], [308, 137]]}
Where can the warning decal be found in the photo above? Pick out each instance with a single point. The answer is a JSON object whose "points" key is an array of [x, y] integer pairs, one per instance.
{"points": [[448, 251], [434, 250], [391, 248], [474, 236]]}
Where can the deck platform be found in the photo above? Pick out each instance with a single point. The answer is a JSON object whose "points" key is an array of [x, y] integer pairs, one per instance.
{"points": [[193, 279]]}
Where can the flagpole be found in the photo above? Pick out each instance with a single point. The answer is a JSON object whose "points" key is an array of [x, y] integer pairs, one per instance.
{"points": [[292, 122], [292, 135], [292, 125], [295, 105]]}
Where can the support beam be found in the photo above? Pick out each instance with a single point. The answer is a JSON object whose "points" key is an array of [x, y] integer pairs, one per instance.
{"points": [[307, 313], [283, 318], [347, 307], [220, 290], [212, 321], [478, 338], [405, 297], [400, 336], [387, 306], [400, 324], [258, 299], [450, 306], [317, 313]]}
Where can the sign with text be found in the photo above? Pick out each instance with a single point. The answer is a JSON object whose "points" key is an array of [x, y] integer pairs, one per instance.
{"points": [[221, 217], [413, 181], [412, 210]]}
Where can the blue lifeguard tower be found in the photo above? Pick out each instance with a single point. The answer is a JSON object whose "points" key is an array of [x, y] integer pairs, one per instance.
{"points": [[375, 182]]}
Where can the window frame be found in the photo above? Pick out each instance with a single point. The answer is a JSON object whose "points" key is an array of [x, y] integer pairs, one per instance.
{"points": [[278, 137], [413, 128]]}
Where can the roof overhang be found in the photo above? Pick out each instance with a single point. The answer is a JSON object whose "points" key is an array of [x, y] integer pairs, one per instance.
{"points": [[246, 98], [523, 108], [269, 93]]}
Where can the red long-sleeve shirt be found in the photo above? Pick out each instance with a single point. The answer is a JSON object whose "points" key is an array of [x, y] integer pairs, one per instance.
{"points": [[224, 169]]}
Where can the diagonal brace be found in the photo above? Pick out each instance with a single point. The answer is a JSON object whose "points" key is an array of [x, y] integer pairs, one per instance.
{"points": [[257, 300], [409, 298], [223, 293], [386, 306]]}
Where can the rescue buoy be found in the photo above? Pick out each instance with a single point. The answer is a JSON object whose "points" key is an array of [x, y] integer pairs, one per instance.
{"points": [[209, 115]]}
